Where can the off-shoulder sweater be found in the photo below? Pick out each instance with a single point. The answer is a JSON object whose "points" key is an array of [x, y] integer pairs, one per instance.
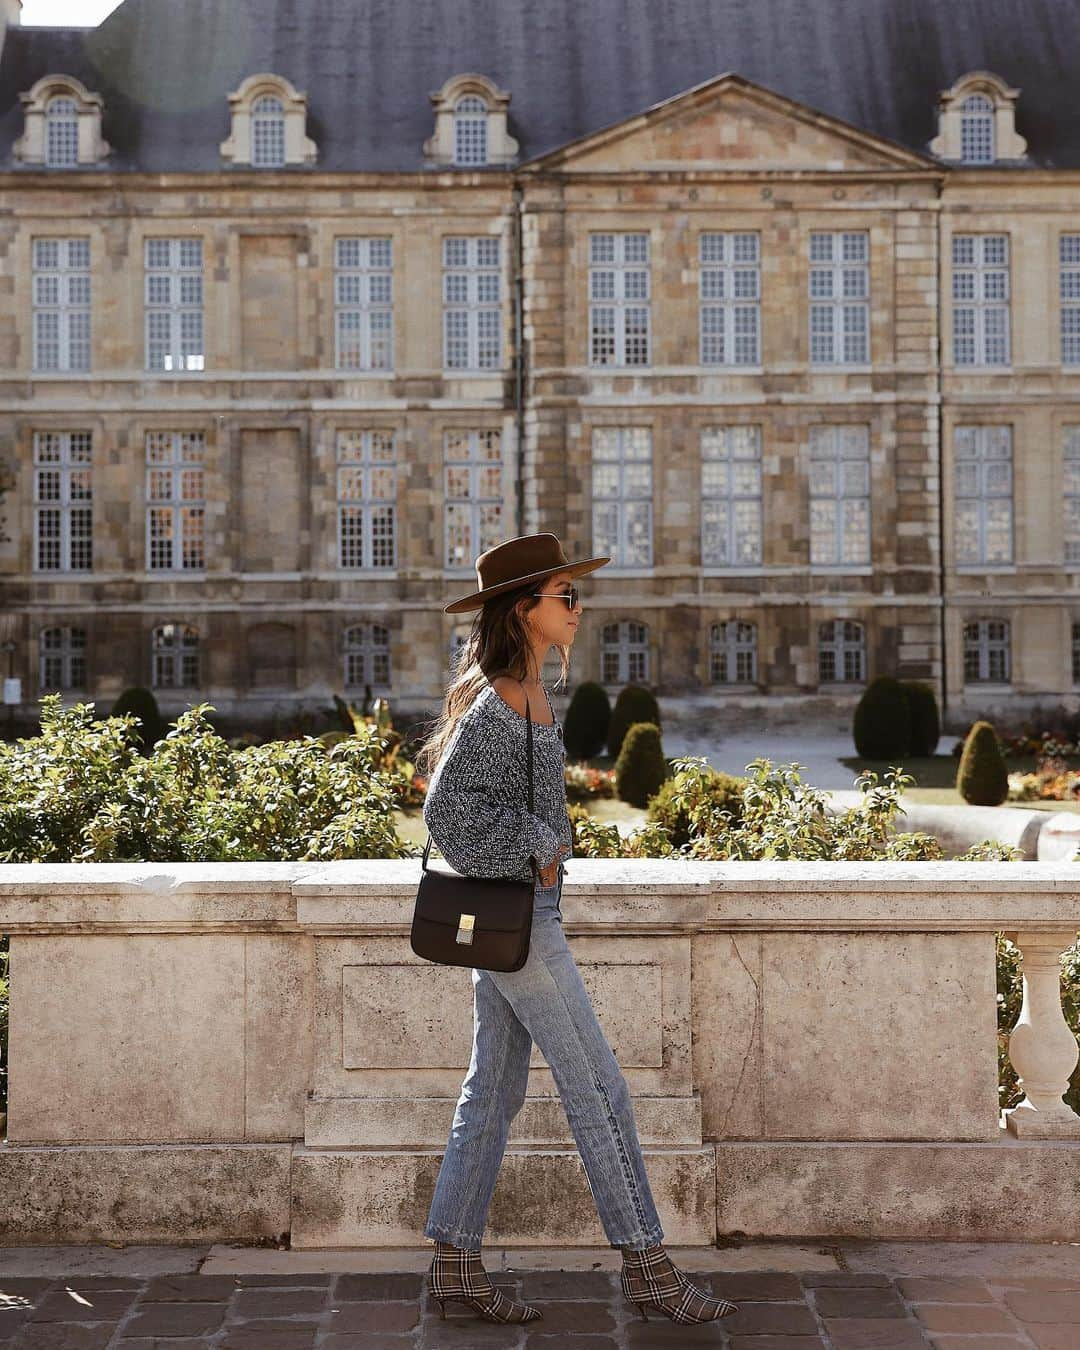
{"points": [[477, 798]]}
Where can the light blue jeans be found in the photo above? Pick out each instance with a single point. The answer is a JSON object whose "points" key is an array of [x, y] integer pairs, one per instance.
{"points": [[546, 1002]]}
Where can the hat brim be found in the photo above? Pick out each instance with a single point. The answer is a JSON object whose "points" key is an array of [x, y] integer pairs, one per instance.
{"points": [[476, 600]]}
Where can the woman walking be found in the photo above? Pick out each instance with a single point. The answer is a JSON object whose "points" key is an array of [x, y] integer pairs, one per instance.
{"points": [[476, 813]]}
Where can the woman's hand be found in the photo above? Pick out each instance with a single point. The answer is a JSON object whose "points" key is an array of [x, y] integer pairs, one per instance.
{"points": [[550, 874]]}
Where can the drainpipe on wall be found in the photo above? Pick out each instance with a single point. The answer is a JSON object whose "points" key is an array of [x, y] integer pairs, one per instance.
{"points": [[519, 351], [941, 466]]}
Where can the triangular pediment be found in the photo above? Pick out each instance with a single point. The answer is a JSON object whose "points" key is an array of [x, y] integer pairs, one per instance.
{"points": [[730, 123]]}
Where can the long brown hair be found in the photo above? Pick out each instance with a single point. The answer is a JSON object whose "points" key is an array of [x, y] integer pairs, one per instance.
{"points": [[498, 644]]}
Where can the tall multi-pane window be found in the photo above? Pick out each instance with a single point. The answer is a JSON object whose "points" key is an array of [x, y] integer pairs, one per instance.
{"points": [[364, 303], [977, 130], [980, 296], [622, 495], [366, 655], [472, 305], [63, 523], [268, 132], [61, 133], [175, 500], [62, 658], [619, 299], [472, 494], [174, 653], [470, 130], [841, 651], [840, 494], [1071, 493], [174, 304], [731, 515], [730, 294], [624, 652], [984, 494], [1069, 293], [986, 651], [366, 498], [840, 298], [733, 652], [61, 296]]}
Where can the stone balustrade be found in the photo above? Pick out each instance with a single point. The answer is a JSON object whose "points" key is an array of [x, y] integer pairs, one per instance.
{"points": [[247, 1052]]}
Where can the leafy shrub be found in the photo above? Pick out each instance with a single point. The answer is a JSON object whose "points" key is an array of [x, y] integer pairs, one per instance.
{"points": [[925, 721], [882, 722], [585, 726], [667, 807], [982, 778], [640, 768], [635, 703], [141, 704], [82, 792]]}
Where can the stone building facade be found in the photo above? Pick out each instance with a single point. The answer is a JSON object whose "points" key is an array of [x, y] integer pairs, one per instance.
{"points": [[270, 381]]}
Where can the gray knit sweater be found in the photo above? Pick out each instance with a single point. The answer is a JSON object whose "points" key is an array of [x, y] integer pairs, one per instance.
{"points": [[477, 798]]}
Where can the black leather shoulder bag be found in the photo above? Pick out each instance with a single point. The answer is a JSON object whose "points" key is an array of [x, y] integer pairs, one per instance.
{"points": [[483, 922]]}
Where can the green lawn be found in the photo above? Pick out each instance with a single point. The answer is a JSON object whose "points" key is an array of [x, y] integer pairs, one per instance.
{"points": [[935, 778]]}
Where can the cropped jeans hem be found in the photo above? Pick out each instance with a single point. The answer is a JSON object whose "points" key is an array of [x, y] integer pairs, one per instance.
{"points": [[544, 1003]]}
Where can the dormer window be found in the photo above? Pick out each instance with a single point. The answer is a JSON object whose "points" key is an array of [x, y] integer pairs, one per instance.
{"points": [[470, 130], [976, 122], [268, 132], [977, 130], [470, 125], [269, 125], [62, 127], [61, 133]]}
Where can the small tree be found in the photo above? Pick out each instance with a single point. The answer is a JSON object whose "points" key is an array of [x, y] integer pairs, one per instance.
{"points": [[634, 704], [140, 702], [882, 722], [640, 768], [585, 726], [925, 722], [982, 778]]}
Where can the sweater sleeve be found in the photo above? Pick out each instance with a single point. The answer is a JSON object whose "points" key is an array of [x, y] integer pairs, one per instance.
{"points": [[479, 828]]}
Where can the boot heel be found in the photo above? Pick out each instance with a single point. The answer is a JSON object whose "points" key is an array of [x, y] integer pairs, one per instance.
{"points": [[442, 1307], [641, 1309]]}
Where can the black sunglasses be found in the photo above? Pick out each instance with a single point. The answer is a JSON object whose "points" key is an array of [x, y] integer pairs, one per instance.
{"points": [[570, 596]]}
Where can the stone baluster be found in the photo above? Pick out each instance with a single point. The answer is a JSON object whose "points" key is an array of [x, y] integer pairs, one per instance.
{"points": [[1042, 1048]]}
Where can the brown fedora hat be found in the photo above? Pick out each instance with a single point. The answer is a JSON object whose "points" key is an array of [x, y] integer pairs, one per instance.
{"points": [[529, 557]]}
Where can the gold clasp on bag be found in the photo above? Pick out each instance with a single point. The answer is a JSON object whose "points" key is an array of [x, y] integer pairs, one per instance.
{"points": [[465, 928]]}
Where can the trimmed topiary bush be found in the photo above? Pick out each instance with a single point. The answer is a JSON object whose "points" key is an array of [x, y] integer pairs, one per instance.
{"points": [[641, 767], [925, 722], [982, 778], [720, 790], [585, 726], [635, 703], [141, 703], [882, 721]]}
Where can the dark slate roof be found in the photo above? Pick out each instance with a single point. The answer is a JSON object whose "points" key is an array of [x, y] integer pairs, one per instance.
{"points": [[572, 67]]}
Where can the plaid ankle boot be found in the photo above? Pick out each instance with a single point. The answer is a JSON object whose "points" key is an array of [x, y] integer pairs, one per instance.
{"points": [[456, 1273], [650, 1279]]}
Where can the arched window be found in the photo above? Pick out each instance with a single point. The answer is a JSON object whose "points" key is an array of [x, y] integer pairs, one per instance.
{"points": [[61, 133], [470, 130], [175, 656], [841, 652], [269, 124], [62, 658], [624, 653], [733, 652], [986, 651], [977, 130], [366, 654], [268, 132]]}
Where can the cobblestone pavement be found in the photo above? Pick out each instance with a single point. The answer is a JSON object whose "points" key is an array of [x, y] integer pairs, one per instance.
{"points": [[983, 1298]]}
